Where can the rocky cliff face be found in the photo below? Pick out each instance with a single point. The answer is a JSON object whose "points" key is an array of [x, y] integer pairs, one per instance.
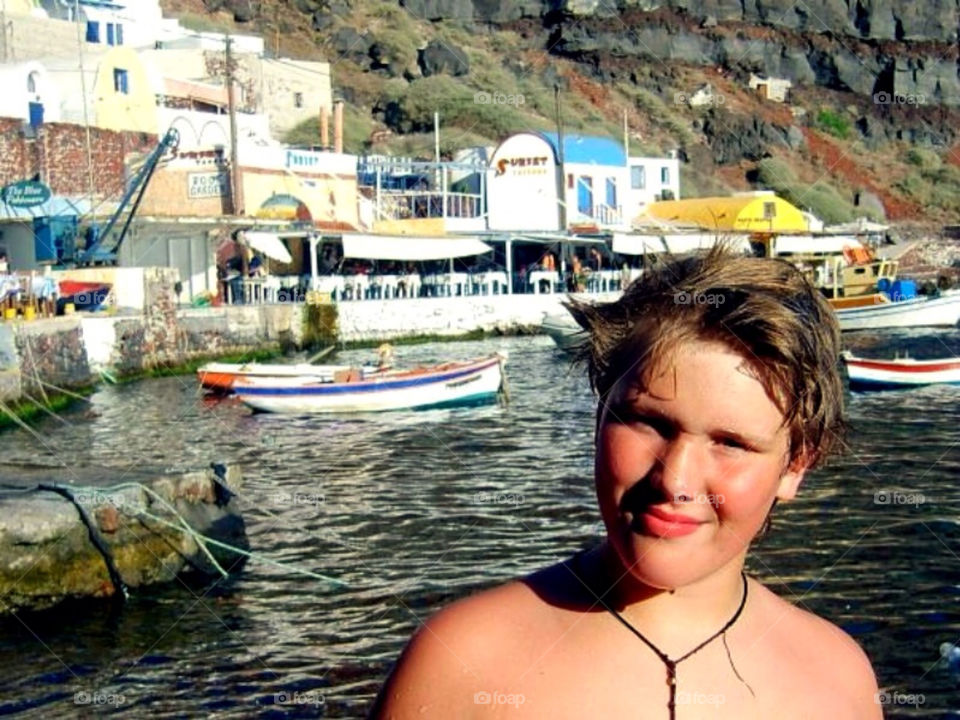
{"points": [[897, 50]]}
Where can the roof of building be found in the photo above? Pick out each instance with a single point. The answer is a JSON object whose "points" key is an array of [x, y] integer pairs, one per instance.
{"points": [[589, 149], [735, 212]]}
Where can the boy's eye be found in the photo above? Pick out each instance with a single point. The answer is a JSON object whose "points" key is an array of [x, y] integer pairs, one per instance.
{"points": [[734, 443]]}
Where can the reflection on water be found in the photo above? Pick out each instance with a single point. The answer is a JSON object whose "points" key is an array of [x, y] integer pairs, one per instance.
{"points": [[412, 510]]}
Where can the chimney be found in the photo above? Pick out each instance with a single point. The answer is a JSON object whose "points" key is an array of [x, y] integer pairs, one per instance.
{"points": [[338, 126], [324, 127]]}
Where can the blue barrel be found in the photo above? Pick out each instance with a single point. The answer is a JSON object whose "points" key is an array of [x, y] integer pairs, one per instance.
{"points": [[903, 290], [883, 285]]}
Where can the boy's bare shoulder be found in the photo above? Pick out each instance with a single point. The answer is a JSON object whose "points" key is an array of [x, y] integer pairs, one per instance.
{"points": [[821, 653], [460, 652]]}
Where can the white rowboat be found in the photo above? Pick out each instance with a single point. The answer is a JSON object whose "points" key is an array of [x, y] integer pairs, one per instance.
{"points": [[900, 373], [920, 312], [452, 384], [564, 330]]}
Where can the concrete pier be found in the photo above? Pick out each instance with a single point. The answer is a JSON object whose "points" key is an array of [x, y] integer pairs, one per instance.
{"points": [[71, 352]]}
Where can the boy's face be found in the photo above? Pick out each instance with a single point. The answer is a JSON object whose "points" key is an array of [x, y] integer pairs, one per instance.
{"points": [[688, 467]]}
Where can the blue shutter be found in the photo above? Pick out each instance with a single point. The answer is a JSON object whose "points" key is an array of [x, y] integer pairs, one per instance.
{"points": [[93, 31], [109, 33], [585, 195]]}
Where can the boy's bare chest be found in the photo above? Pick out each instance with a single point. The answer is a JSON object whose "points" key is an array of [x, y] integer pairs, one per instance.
{"points": [[576, 676]]}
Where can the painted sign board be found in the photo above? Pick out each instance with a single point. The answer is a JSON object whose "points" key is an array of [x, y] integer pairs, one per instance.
{"points": [[25, 194], [206, 185]]}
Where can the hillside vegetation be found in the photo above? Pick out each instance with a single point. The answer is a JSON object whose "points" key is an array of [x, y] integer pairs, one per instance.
{"points": [[835, 152]]}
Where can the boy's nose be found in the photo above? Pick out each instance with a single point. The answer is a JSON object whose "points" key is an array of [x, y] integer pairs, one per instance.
{"points": [[679, 465]]}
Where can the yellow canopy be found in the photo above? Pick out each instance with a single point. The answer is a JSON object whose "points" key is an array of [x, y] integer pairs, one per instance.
{"points": [[745, 213]]}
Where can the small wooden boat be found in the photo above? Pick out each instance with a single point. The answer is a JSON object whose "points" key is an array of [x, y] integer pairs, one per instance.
{"points": [[452, 384], [943, 310], [564, 331], [220, 377], [900, 373]]}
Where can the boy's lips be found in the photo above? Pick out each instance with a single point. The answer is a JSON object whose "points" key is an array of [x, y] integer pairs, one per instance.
{"points": [[662, 523]]}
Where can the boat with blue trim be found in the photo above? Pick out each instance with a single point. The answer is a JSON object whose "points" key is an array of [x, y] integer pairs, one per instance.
{"points": [[474, 382]]}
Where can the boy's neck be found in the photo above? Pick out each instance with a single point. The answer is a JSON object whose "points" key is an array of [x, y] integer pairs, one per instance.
{"points": [[677, 617]]}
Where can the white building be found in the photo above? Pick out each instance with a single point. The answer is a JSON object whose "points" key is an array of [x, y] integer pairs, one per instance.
{"points": [[599, 185], [30, 93]]}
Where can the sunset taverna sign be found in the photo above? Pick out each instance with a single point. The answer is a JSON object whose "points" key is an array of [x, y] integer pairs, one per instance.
{"points": [[25, 194]]}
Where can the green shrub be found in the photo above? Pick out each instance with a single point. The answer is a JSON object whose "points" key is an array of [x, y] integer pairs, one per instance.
{"points": [[833, 123], [926, 160], [821, 199], [774, 174]]}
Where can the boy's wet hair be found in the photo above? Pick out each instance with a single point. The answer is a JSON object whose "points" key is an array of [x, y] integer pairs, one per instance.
{"points": [[762, 309]]}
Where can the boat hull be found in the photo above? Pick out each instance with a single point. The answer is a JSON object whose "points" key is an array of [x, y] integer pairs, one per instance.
{"points": [[564, 331], [452, 385], [867, 374], [943, 311]]}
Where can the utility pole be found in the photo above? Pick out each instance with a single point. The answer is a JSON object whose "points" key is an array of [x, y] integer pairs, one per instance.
{"points": [[83, 94], [561, 171], [236, 191]]}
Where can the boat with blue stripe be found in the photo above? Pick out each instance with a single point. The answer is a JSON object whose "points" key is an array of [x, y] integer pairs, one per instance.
{"points": [[452, 384]]}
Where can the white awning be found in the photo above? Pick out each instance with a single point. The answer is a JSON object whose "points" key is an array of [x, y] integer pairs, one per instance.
{"points": [[269, 244], [407, 247], [637, 244], [814, 244], [677, 244]]}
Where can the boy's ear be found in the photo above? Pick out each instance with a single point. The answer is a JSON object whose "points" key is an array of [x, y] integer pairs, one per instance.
{"points": [[792, 477]]}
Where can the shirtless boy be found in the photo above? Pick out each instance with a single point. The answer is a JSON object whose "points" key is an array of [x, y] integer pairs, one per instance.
{"points": [[718, 389]]}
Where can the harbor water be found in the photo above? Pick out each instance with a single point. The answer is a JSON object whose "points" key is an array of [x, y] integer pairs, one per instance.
{"points": [[413, 510]]}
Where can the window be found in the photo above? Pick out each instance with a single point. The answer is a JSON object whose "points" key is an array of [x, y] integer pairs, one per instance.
{"points": [[769, 210], [119, 32], [120, 81], [110, 40], [611, 192], [585, 195], [93, 31], [298, 99], [32, 82], [665, 175], [638, 177]]}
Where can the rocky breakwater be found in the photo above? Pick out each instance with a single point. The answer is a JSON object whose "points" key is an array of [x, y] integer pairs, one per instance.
{"points": [[69, 534]]}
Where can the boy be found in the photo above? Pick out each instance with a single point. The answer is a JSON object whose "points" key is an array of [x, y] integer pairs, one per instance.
{"points": [[718, 388]]}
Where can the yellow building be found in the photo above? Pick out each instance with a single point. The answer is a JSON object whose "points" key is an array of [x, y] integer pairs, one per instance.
{"points": [[125, 94], [748, 212]]}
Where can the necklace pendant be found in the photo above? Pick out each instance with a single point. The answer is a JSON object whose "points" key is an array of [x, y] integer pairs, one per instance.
{"points": [[671, 679]]}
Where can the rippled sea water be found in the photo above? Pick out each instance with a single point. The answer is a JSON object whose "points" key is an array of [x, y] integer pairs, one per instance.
{"points": [[412, 510]]}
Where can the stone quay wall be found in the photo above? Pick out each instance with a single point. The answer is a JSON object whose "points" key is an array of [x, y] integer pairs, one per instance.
{"points": [[71, 352]]}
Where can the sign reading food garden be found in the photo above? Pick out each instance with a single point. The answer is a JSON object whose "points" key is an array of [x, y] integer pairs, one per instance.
{"points": [[25, 194], [207, 185]]}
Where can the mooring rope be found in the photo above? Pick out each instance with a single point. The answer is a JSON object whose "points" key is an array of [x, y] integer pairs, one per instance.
{"points": [[200, 538]]}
